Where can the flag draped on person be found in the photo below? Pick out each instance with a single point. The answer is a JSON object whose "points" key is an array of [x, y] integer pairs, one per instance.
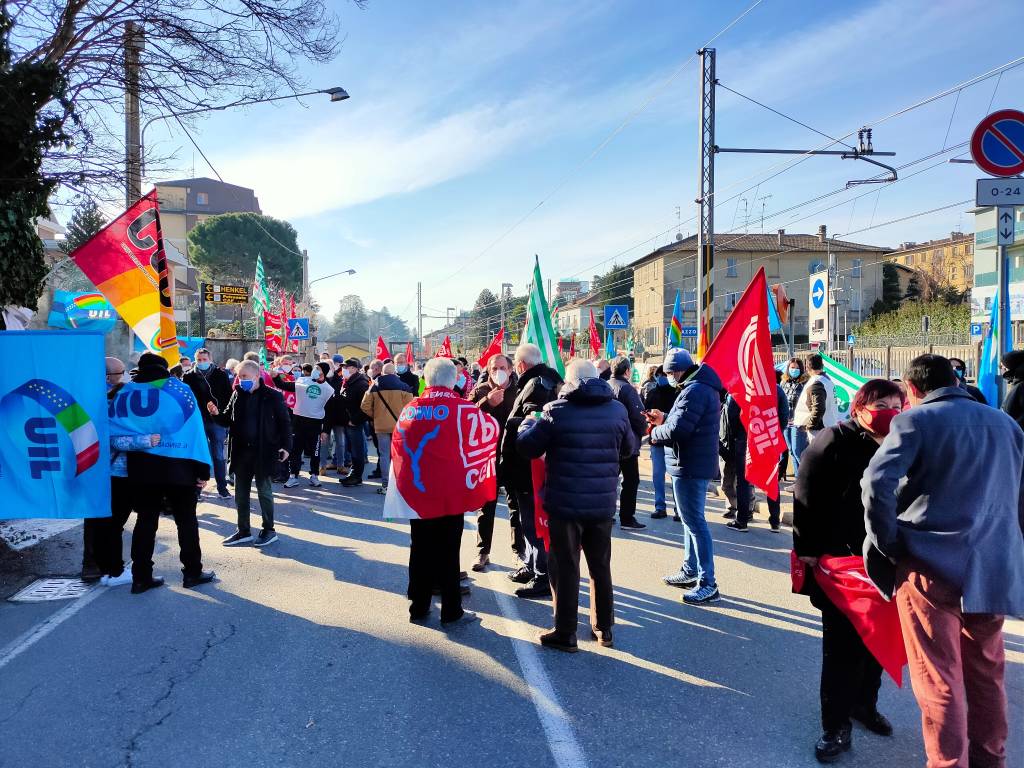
{"points": [[844, 381], [675, 326], [741, 355], [494, 348], [595, 340], [382, 352], [989, 368], [445, 350], [126, 262], [539, 329]]}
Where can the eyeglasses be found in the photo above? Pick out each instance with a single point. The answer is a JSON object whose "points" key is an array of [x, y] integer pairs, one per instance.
{"points": [[116, 373]]}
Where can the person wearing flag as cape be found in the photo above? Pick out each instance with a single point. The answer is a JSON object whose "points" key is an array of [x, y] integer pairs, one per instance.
{"points": [[442, 466], [828, 521]]}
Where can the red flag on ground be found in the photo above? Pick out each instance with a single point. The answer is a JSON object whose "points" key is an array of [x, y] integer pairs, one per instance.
{"points": [[382, 352], [595, 340], [494, 348], [572, 346], [446, 348], [538, 472], [846, 583], [741, 355], [408, 353]]}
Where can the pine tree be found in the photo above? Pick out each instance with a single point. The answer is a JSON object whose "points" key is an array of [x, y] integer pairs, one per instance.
{"points": [[85, 222]]}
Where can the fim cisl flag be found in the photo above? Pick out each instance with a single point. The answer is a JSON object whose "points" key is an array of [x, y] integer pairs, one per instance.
{"points": [[54, 445]]}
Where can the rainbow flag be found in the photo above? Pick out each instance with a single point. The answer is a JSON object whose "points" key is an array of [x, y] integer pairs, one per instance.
{"points": [[125, 260], [675, 328]]}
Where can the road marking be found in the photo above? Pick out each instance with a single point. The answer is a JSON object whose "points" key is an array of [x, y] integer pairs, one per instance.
{"points": [[558, 730], [41, 630]]}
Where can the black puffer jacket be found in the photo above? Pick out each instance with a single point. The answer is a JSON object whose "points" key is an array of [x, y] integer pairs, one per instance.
{"points": [[583, 437], [626, 394], [538, 386]]}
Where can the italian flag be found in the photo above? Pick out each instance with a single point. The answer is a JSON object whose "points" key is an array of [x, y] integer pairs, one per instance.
{"points": [[844, 381]]}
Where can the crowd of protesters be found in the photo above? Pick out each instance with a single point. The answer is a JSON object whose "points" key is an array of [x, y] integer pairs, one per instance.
{"points": [[875, 488]]}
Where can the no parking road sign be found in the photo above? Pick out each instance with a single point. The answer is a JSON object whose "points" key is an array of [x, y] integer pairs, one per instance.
{"points": [[298, 329], [997, 144]]}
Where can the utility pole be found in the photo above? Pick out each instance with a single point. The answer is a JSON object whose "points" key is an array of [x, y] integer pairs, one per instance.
{"points": [[419, 313], [706, 201], [833, 303], [504, 287], [133, 42], [305, 279]]}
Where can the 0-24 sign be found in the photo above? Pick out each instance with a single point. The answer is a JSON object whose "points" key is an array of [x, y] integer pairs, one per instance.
{"points": [[1000, 192]]}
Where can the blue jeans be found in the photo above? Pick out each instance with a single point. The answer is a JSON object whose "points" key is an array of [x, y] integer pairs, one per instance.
{"points": [[698, 552], [658, 476], [340, 450], [355, 442], [215, 437], [796, 440]]}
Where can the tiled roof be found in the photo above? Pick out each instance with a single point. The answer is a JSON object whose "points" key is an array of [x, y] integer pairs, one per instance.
{"points": [[766, 243]]}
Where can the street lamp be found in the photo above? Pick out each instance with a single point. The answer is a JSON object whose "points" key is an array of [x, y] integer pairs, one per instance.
{"points": [[325, 277]]}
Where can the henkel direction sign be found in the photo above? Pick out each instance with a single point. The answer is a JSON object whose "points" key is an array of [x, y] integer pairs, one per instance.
{"points": [[216, 293], [997, 144]]}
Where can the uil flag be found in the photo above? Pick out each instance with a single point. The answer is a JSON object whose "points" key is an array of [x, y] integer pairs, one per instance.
{"points": [[382, 352], [446, 348], [494, 348], [595, 340], [125, 260], [675, 326], [408, 352], [572, 345], [539, 329], [741, 355]]}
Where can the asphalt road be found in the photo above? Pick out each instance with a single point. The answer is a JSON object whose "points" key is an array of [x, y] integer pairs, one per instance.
{"points": [[302, 655]]}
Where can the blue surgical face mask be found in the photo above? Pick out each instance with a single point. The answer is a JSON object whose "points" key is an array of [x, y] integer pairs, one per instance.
{"points": [[246, 385], [959, 373], [794, 373], [402, 368], [204, 366], [461, 381], [662, 380]]}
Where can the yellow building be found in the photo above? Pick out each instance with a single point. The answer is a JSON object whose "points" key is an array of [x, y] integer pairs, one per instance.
{"points": [[949, 261], [186, 202]]}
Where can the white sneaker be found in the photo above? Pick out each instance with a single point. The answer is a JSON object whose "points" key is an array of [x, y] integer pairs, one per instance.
{"points": [[291, 482], [314, 481], [117, 581]]}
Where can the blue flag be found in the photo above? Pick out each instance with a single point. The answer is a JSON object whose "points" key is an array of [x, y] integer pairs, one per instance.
{"points": [[167, 408], [609, 344], [989, 368], [774, 321], [54, 446]]}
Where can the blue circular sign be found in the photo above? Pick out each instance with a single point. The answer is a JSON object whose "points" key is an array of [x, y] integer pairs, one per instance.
{"points": [[818, 293]]}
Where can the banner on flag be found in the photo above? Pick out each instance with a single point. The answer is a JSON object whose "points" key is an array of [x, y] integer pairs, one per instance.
{"points": [[445, 350], [187, 345], [382, 352], [595, 340], [494, 348], [845, 383], [538, 473], [741, 355], [272, 330], [126, 262], [54, 442], [81, 312], [539, 329]]}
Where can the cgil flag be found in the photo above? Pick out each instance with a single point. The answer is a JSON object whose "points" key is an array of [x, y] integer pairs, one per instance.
{"points": [[446, 348], [989, 368], [675, 326], [595, 340], [741, 355], [539, 329], [844, 381], [494, 348], [382, 352], [126, 262]]}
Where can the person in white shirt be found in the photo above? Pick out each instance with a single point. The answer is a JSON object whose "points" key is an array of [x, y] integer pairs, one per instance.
{"points": [[311, 395], [816, 409]]}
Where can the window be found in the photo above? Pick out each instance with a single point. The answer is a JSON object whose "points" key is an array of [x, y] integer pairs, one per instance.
{"points": [[858, 265], [731, 299], [202, 198], [856, 301], [730, 269], [689, 299]]}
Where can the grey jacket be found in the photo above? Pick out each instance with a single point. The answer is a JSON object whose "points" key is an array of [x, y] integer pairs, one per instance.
{"points": [[945, 489]]}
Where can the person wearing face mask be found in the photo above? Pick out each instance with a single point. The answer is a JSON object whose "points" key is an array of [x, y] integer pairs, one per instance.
{"points": [[660, 397], [495, 395], [828, 519], [960, 369], [383, 402], [626, 394], [942, 503], [402, 370], [215, 424], [462, 381], [259, 436], [1012, 368], [794, 379], [311, 392], [353, 388]]}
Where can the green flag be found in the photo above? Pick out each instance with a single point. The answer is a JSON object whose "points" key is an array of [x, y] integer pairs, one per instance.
{"points": [[844, 381], [539, 330], [260, 292]]}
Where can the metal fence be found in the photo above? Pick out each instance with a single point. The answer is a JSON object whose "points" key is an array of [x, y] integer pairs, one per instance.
{"points": [[888, 362]]}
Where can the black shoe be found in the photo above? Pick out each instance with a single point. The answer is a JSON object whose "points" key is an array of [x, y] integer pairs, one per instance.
{"points": [[463, 576], [351, 482], [832, 744], [375, 475], [738, 526], [90, 574], [553, 640], [264, 538], [603, 638], [203, 577], [539, 587], [660, 514], [633, 524], [523, 575], [676, 519], [681, 579], [419, 618], [730, 514], [776, 528], [138, 587], [874, 721]]}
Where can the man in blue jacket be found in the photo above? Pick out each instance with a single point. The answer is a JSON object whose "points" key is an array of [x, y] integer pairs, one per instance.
{"points": [[690, 430]]}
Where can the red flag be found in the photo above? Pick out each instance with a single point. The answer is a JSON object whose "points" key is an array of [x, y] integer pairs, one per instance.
{"points": [[741, 355], [446, 348], [538, 472], [595, 340], [272, 330], [846, 583], [494, 348], [572, 346], [408, 353], [382, 352], [559, 346]]}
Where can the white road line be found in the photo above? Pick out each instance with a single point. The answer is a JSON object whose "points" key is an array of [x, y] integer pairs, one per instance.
{"points": [[565, 749], [41, 630]]}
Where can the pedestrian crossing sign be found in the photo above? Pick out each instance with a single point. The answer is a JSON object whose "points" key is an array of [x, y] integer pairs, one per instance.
{"points": [[616, 317], [298, 329]]}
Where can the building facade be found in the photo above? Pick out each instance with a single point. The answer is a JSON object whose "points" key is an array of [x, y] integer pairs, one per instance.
{"points": [[575, 317], [985, 265], [949, 261], [186, 202]]}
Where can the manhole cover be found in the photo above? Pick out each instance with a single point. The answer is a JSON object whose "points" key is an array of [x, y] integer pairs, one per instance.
{"points": [[42, 590]]}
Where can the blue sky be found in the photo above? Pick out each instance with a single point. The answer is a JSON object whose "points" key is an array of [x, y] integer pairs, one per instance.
{"points": [[465, 115]]}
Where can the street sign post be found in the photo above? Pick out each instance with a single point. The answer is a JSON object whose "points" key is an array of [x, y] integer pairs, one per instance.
{"points": [[1004, 225], [997, 144], [818, 316], [298, 329], [976, 331], [616, 317], [850, 340], [214, 293]]}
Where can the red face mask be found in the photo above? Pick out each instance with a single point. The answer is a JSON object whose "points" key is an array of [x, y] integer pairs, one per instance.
{"points": [[879, 422]]}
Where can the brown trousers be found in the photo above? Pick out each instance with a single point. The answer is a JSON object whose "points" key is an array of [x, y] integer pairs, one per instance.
{"points": [[957, 667], [568, 537]]}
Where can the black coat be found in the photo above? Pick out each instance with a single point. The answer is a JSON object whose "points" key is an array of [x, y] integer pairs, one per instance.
{"points": [[220, 391], [412, 381], [200, 389], [274, 426], [1013, 404], [661, 397], [536, 388], [733, 435], [352, 391], [583, 437], [626, 394]]}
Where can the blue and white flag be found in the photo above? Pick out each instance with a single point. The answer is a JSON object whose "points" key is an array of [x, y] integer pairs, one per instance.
{"points": [[167, 408], [54, 444], [988, 371]]}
